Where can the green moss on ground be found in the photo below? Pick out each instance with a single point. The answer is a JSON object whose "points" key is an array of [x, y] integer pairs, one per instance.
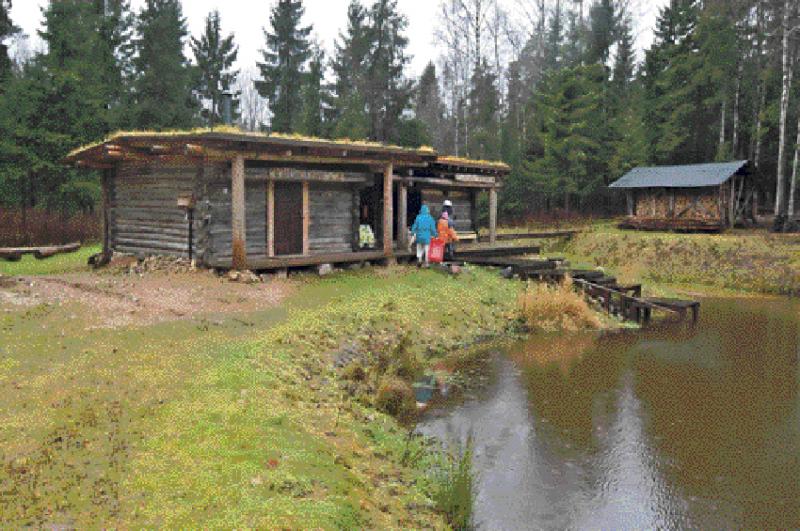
{"points": [[735, 261], [240, 423], [61, 263]]}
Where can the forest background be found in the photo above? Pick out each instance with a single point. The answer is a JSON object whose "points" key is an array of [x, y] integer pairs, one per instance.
{"points": [[559, 93]]}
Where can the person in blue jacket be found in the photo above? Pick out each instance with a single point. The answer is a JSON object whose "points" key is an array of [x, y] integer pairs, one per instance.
{"points": [[424, 229]]}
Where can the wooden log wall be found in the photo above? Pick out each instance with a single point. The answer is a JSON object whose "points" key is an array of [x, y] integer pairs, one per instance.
{"points": [[331, 208], [144, 215], [220, 229], [462, 207]]}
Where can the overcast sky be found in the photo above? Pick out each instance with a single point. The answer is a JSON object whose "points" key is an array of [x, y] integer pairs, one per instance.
{"points": [[247, 18]]}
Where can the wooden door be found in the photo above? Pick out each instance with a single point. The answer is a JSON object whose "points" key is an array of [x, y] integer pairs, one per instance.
{"points": [[288, 218]]}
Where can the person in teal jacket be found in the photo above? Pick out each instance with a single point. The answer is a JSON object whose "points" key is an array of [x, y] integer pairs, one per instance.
{"points": [[424, 229]]}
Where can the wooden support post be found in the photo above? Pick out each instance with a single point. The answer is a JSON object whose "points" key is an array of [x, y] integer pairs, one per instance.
{"points": [[106, 184], [629, 199], [388, 214], [473, 210], [239, 228], [672, 203], [493, 215], [755, 205], [306, 218], [402, 216], [732, 204], [270, 219]]}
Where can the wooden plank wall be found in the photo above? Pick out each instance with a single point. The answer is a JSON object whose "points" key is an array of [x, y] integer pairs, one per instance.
{"points": [[462, 207], [331, 229], [144, 216]]}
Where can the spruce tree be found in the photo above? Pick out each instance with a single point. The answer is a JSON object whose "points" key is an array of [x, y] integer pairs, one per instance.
{"points": [[553, 48], [603, 30], [164, 78], [349, 67], [115, 59], [624, 61], [388, 90], [428, 106], [283, 69], [215, 56], [7, 29], [313, 95], [484, 107]]}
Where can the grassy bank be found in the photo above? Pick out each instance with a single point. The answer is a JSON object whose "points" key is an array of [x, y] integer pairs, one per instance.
{"points": [[234, 421], [736, 261]]}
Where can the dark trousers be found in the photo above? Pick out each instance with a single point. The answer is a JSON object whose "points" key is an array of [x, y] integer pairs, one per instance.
{"points": [[449, 252]]}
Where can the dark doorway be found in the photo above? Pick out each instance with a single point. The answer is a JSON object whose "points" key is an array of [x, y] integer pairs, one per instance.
{"points": [[288, 218], [414, 204]]}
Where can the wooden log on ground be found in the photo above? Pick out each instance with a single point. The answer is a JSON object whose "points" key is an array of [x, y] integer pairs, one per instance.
{"points": [[47, 252], [14, 254]]}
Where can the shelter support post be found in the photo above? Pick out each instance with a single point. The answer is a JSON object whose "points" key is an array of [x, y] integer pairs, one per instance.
{"points": [[732, 204], [106, 220], [672, 203], [473, 209], [271, 218], [493, 215], [402, 216], [306, 218], [629, 199], [239, 237], [755, 205], [388, 213]]}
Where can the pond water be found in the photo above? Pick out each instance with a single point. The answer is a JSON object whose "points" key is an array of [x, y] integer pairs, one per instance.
{"points": [[663, 428]]}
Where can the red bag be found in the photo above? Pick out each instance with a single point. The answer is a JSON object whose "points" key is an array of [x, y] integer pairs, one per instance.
{"points": [[436, 252]]}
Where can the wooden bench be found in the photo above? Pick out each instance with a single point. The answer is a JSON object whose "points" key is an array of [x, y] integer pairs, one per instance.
{"points": [[467, 236]]}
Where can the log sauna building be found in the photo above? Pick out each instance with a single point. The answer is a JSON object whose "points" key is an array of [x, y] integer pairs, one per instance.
{"points": [[256, 201], [697, 197]]}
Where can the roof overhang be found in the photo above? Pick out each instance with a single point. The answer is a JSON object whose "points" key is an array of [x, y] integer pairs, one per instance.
{"points": [[224, 146]]}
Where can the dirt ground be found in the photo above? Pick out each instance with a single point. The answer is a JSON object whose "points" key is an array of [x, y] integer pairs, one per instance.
{"points": [[118, 298]]}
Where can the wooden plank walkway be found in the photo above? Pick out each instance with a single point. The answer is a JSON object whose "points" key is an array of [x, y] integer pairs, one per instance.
{"points": [[537, 235], [623, 300], [496, 251]]}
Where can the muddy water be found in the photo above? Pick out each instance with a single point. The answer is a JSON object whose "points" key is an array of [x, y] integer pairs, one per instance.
{"points": [[664, 428]]}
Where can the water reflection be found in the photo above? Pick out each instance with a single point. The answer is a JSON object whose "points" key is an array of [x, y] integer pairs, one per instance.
{"points": [[672, 427]]}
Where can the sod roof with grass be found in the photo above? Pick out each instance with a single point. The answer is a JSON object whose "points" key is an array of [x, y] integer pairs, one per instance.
{"points": [[223, 142]]}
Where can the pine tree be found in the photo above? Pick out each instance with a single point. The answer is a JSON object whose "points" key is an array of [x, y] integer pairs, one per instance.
{"points": [[215, 56], [7, 29], [164, 77], [283, 69]]}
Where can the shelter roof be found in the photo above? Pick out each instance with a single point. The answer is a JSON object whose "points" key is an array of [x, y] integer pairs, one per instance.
{"points": [[685, 176]]}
